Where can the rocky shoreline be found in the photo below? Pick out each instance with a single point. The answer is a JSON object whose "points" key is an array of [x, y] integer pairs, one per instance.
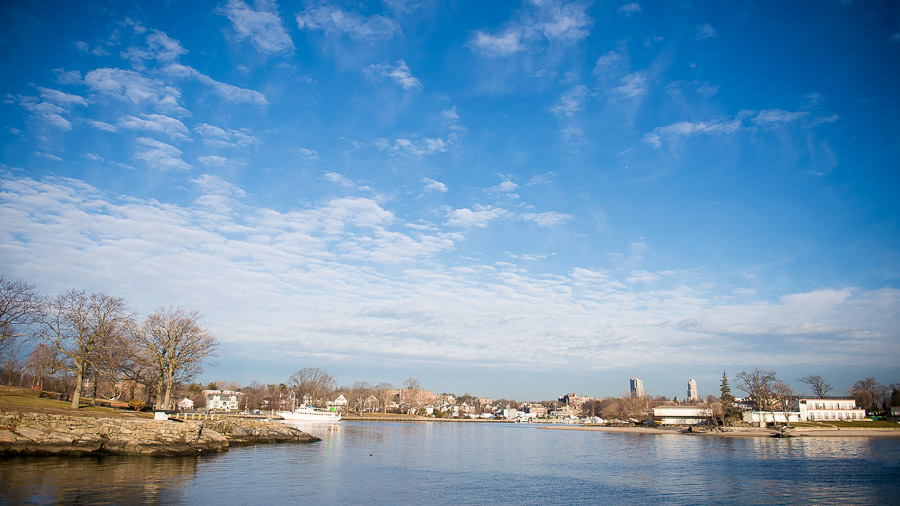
{"points": [[55, 434]]}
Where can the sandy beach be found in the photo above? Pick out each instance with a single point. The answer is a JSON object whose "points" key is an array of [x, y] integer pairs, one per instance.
{"points": [[740, 431]]}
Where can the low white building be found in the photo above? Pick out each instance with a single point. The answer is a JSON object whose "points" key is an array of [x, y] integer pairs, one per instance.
{"points": [[221, 399], [680, 415], [185, 404], [810, 410], [814, 410]]}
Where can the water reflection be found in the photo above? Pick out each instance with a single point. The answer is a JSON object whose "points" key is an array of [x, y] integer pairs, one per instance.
{"points": [[95, 480], [393, 463]]}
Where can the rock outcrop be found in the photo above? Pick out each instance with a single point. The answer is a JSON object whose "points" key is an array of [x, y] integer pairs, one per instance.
{"points": [[242, 431], [52, 434]]}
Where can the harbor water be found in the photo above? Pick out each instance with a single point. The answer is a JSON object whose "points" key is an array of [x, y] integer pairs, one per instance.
{"points": [[477, 463]]}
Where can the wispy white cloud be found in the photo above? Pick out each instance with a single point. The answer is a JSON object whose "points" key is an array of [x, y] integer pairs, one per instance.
{"points": [[227, 92], [262, 25], [688, 128], [160, 47], [609, 62], [503, 44], [572, 101], [479, 216], [399, 73], [158, 123], [775, 116], [633, 85], [133, 87], [339, 179], [221, 138], [159, 155], [417, 146], [434, 185], [704, 31], [547, 20], [348, 277], [629, 9], [333, 20], [547, 219], [308, 154], [48, 156]]}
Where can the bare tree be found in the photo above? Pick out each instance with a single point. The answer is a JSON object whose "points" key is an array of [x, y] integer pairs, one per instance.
{"points": [[411, 389], [865, 391], [12, 364], [177, 345], [784, 396], [758, 384], [314, 382], [19, 308], [383, 393], [78, 324], [819, 386], [41, 362]]}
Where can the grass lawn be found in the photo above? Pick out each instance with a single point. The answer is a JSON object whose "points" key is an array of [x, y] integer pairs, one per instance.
{"points": [[20, 399]]}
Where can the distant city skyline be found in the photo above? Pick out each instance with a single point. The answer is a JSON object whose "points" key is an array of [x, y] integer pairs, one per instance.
{"points": [[510, 199]]}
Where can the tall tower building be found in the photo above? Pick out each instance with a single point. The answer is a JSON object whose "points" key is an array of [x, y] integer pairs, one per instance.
{"points": [[637, 387], [692, 391]]}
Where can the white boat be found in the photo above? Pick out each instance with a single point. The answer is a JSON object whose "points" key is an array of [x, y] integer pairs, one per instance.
{"points": [[310, 414]]}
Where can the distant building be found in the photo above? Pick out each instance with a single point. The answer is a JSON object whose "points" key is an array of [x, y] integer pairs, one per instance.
{"points": [[340, 403], [679, 415], [221, 399], [692, 395], [576, 401], [637, 387], [185, 404]]}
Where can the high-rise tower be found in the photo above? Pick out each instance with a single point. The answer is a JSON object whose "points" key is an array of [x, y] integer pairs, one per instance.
{"points": [[692, 395], [637, 387]]}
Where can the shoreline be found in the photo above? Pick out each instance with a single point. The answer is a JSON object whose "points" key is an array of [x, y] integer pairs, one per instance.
{"points": [[740, 431]]}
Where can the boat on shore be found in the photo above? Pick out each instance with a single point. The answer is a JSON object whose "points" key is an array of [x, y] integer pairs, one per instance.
{"points": [[310, 414]]}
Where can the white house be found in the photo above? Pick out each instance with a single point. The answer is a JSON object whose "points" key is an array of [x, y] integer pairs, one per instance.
{"points": [[221, 399], [340, 403], [185, 404]]}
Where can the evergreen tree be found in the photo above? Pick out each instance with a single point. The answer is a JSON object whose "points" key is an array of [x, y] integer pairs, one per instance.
{"points": [[725, 396]]}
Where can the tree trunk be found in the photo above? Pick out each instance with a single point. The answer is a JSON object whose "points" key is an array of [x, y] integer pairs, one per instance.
{"points": [[168, 400], [79, 379]]}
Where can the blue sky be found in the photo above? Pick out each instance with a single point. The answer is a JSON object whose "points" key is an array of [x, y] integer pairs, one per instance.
{"points": [[507, 199]]}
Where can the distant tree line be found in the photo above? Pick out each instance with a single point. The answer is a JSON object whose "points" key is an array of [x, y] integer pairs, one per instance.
{"points": [[93, 343]]}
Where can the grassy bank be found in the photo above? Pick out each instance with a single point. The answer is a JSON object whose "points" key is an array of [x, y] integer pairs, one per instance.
{"points": [[24, 400]]}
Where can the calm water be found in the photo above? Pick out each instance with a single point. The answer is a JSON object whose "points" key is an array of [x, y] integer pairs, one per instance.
{"points": [[431, 463]]}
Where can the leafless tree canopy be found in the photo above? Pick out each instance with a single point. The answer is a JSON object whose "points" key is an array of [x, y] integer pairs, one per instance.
{"points": [[81, 326], [314, 382], [19, 307], [819, 386], [783, 394], [758, 385], [176, 345]]}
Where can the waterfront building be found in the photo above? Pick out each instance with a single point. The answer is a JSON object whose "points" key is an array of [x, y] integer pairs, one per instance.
{"points": [[221, 399], [680, 415], [185, 404], [637, 387], [535, 409], [692, 395], [810, 410], [340, 403]]}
